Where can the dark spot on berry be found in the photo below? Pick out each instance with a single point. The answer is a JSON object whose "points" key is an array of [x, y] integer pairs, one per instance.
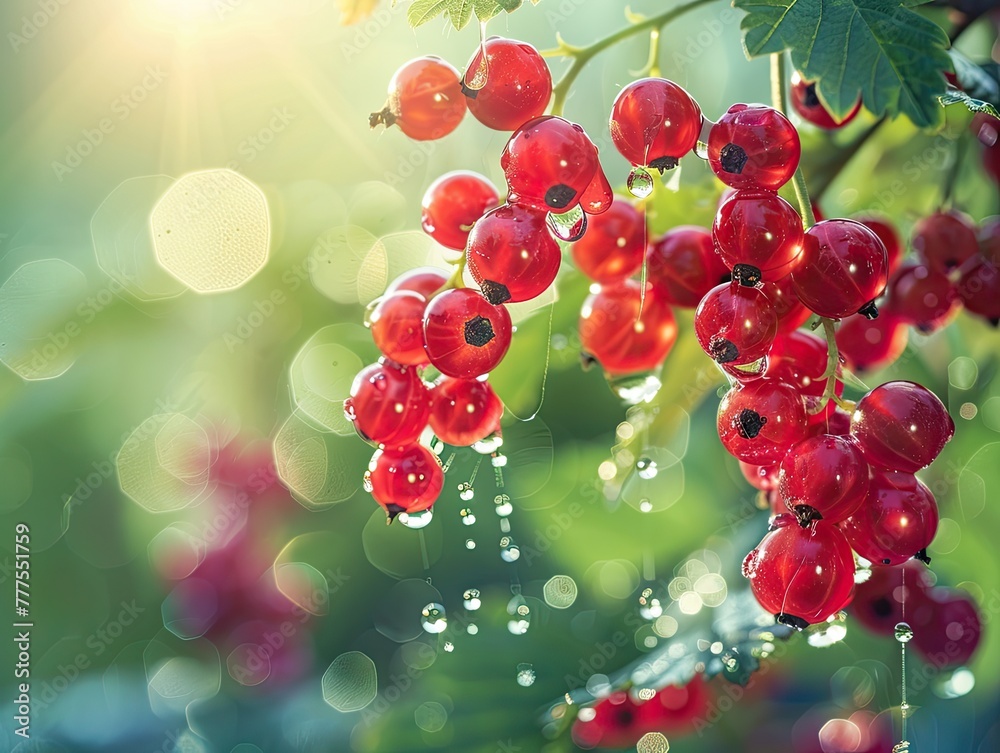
{"points": [[747, 275], [733, 158], [624, 717], [791, 621], [922, 556], [882, 607], [559, 196], [749, 423], [664, 163], [869, 310], [587, 361], [809, 97], [469, 93], [384, 117], [807, 515], [494, 292], [723, 350], [727, 277], [391, 511], [886, 561], [479, 331]]}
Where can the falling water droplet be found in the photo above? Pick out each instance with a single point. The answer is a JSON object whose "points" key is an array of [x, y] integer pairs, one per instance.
{"points": [[499, 460], [471, 599], [640, 183], [646, 468], [903, 632], [701, 149], [449, 646], [569, 226], [433, 618], [525, 675], [416, 520], [509, 550], [468, 517], [503, 505]]}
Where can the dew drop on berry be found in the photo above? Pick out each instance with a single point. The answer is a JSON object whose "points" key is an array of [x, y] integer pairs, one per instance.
{"points": [[475, 79], [903, 632], [509, 550], [433, 618], [503, 505], [471, 599], [569, 226], [416, 520], [468, 517], [525, 675], [640, 183]]}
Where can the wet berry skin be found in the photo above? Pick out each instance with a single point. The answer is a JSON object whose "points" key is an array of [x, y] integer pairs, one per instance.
{"points": [[945, 240], [792, 313], [406, 479], [761, 230], [889, 237], [683, 264], [397, 325], [464, 411], [803, 97], [613, 245], [735, 324], [512, 255], [801, 575], [389, 404], [827, 475], [759, 421], [922, 297], [801, 359], [753, 146], [425, 99], [872, 344], [453, 203], [518, 84], [654, 122], [979, 290], [465, 335], [424, 280], [901, 426]]}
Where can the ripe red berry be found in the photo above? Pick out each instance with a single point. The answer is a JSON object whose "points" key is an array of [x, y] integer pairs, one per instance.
{"points": [[759, 421], [423, 280], [979, 290], [613, 333], [945, 240], [761, 477], [889, 237], [823, 477], [807, 104], [613, 246], [683, 264], [465, 334], [453, 203], [842, 271], [512, 255], [397, 325], [407, 479], [800, 359], [388, 404], [901, 426], [801, 575], [923, 297], [753, 146], [676, 709], [878, 601], [518, 84], [897, 521], [872, 344], [735, 324], [951, 632], [425, 99], [758, 233], [464, 411], [654, 122], [791, 312]]}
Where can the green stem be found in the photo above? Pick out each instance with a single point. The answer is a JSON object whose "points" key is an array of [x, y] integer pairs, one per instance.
{"points": [[582, 55], [780, 103], [653, 66]]}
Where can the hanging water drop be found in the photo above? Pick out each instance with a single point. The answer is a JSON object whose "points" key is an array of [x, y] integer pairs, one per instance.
{"points": [[489, 445], [509, 551], [476, 77], [468, 517], [433, 618], [471, 599], [416, 520], [903, 632], [569, 226], [525, 675], [369, 310], [503, 505], [646, 468], [635, 388], [701, 150], [499, 460], [640, 183]]}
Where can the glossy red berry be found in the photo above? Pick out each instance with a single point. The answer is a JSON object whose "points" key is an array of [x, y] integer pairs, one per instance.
{"points": [[758, 233], [889, 237], [425, 99], [406, 479], [823, 477], [753, 146], [517, 88], [807, 104], [801, 359], [549, 163], [902, 426], [872, 344], [654, 122], [423, 280], [791, 312], [842, 271], [623, 342], [613, 245], [759, 421], [512, 255], [735, 324], [464, 411], [397, 325], [922, 297], [389, 404], [801, 575], [453, 203], [878, 601], [683, 264], [945, 240], [465, 334], [979, 290], [952, 630], [897, 521]]}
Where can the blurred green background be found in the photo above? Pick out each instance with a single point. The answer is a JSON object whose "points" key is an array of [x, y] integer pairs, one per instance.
{"points": [[103, 104]]}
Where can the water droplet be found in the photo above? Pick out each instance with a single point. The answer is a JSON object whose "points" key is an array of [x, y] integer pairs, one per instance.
{"points": [[902, 747], [499, 460], [416, 520], [503, 505], [903, 632], [635, 388], [904, 708], [367, 482], [640, 183], [646, 468], [468, 517], [569, 226], [649, 606], [466, 492], [476, 77], [437, 446], [645, 505], [470, 544], [701, 149], [509, 551], [525, 675], [828, 633], [472, 629], [433, 618], [489, 445], [449, 646], [369, 310]]}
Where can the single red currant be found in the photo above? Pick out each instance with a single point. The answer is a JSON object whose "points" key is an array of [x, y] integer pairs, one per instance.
{"points": [[889, 237], [423, 280], [397, 325], [761, 477], [872, 344], [464, 411], [654, 123], [517, 88], [388, 404], [453, 203], [407, 479], [735, 324], [684, 266], [425, 99], [753, 146], [613, 246], [791, 312], [512, 255], [800, 359], [979, 290], [901, 426], [758, 234], [465, 334], [951, 631], [807, 104], [923, 297], [675, 709], [823, 477], [945, 240], [759, 421]]}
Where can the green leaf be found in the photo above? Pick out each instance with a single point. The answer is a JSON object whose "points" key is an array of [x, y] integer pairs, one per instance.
{"points": [[979, 82], [459, 12], [422, 11], [956, 96], [889, 54]]}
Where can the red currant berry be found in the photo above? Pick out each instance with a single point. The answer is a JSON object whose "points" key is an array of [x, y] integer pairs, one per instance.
{"points": [[675, 709], [654, 123], [889, 237], [761, 477], [842, 270], [945, 240], [684, 266], [878, 601], [801, 575], [759, 421], [518, 84], [407, 479], [753, 146], [549, 163], [464, 411], [800, 359], [735, 324], [425, 99], [614, 724], [791, 312], [923, 297], [466, 335], [512, 255], [758, 233], [807, 104], [423, 280], [614, 244], [823, 477], [388, 404], [598, 196], [897, 521], [613, 333], [979, 289], [872, 344], [453, 203], [397, 325], [951, 631], [901, 426]]}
